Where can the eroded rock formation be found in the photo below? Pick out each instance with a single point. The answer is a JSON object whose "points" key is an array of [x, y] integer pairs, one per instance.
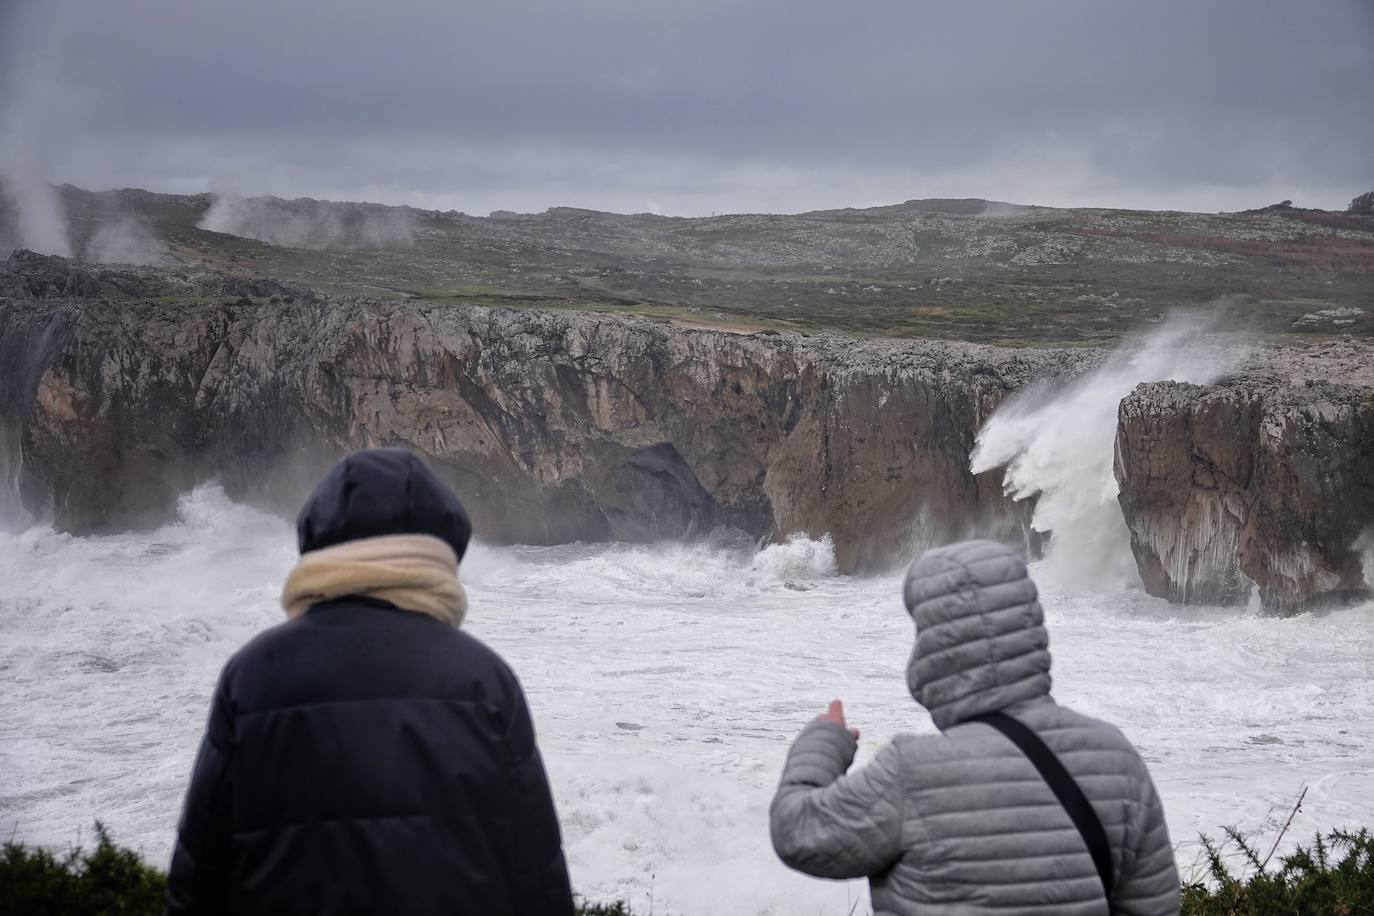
{"points": [[1266, 478], [125, 387], [552, 426]]}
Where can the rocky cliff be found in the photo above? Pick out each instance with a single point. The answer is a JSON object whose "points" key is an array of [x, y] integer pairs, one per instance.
{"points": [[1264, 478], [552, 426], [125, 387]]}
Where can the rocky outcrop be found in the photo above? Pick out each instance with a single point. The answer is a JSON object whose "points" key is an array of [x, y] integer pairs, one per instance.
{"points": [[552, 426], [27, 346], [30, 275], [1266, 478]]}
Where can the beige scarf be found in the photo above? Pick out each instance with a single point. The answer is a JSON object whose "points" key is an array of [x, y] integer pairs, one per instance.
{"points": [[416, 572]]}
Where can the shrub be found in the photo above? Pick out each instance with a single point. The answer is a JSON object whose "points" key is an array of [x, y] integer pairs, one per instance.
{"points": [[1335, 875], [1363, 205], [110, 881]]}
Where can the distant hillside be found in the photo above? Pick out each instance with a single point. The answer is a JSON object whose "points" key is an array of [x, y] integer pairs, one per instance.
{"points": [[968, 269]]}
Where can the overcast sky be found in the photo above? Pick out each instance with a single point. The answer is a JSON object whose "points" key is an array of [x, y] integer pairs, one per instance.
{"points": [[698, 106]]}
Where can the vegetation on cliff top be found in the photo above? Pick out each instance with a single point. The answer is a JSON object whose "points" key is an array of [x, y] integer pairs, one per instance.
{"points": [[970, 270]]}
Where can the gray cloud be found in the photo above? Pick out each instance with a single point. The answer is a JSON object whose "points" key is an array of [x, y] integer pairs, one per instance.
{"points": [[693, 107]]}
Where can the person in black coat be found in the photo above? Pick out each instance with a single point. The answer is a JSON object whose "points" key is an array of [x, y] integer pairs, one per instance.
{"points": [[368, 756]]}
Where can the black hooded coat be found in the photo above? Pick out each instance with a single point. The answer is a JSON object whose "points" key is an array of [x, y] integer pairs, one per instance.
{"points": [[366, 759]]}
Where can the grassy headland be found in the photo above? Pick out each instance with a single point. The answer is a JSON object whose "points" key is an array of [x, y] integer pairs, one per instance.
{"points": [[954, 269]]}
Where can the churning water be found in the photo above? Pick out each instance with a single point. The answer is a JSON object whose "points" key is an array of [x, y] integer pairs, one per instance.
{"points": [[666, 683]]}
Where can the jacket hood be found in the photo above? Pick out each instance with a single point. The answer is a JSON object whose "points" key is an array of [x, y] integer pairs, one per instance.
{"points": [[379, 492], [981, 643]]}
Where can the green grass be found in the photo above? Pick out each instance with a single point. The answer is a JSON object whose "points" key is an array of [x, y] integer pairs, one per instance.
{"points": [[854, 274]]}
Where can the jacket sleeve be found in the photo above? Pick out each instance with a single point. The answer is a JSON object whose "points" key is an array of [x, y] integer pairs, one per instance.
{"points": [[831, 825], [198, 879], [1148, 883], [536, 872]]}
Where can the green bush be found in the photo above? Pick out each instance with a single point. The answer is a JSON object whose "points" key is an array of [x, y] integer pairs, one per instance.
{"points": [[107, 880], [110, 881], [1333, 877]]}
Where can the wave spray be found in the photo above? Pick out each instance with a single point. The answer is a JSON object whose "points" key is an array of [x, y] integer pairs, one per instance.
{"points": [[1057, 446]]}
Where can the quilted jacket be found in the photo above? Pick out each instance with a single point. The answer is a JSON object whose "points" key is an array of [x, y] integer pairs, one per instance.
{"points": [[961, 822]]}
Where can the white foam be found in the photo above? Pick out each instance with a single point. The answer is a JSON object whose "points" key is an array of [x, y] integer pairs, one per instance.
{"points": [[1058, 446], [682, 571], [112, 645]]}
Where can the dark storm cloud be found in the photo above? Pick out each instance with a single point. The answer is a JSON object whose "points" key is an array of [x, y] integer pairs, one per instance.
{"points": [[698, 106]]}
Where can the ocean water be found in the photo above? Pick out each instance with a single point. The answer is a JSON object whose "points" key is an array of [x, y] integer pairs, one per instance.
{"points": [[666, 682]]}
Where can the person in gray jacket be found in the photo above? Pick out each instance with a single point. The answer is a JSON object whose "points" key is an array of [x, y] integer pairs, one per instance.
{"points": [[963, 822]]}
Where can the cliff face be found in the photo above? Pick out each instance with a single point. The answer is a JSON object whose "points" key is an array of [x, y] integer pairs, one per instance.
{"points": [[1266, 479], [27, 344], [552, 426], [126, 387]]}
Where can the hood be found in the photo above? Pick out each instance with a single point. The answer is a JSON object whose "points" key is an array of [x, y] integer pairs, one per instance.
{"points": [[379, 492], [981, 643]]}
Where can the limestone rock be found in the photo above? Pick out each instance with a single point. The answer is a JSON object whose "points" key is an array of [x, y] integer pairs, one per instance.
{"points": [[1267, 478], [552, 426]]}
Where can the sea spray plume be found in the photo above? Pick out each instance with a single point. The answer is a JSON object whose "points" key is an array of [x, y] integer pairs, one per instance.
{"points": [[37, 110], [126, 240], [9, 222], [1365, 547], [13, 515], [313, 224], [40, 222], [1057, 446]]}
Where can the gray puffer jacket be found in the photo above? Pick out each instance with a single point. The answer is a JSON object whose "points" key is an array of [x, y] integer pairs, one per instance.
{"points": [[962, 822]]}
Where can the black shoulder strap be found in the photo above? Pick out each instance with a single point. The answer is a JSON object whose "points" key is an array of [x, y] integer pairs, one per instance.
{"points": [[1080, 810]]}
